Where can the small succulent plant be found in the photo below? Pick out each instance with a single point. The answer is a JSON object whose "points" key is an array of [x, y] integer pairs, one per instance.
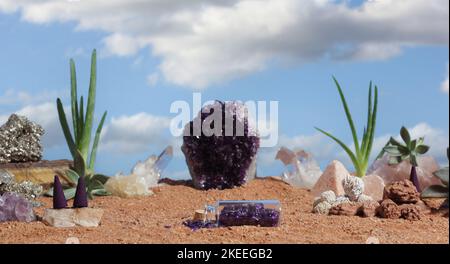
{"points": [[82, 122], [79, 144], [410, 151], [94, 182], [439, 191], [360, 158]]}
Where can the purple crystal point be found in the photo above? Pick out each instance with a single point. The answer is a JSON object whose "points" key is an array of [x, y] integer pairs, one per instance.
{"points": [[221, 160], [414, 178], [81, 198], [59, 200], [14, 207]]}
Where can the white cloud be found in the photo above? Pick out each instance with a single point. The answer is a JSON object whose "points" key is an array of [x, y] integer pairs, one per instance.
{"points": [[136, 133], [203, 42], [444, 85], [14, 97]]}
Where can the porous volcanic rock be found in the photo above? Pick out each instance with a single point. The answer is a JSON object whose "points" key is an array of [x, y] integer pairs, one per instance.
{"points": [[402, 192]]}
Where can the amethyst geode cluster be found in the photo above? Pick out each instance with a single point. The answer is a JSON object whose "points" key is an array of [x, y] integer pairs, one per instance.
{"points": [[226, 158], [249, 214]]}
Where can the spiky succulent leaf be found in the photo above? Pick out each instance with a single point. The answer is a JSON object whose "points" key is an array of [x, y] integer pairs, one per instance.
{"points": [[86, 140], [345, 147], [101, 192], [96, 140], [101, 178], [72, 176], [404, 133], [435, 191], [349, 116], [65, 127], [70, 193], [74, 98], [80, 164], [422, 149]]}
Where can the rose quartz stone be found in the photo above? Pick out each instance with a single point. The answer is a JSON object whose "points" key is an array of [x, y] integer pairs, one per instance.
{"points": [[331, 179], [401, 171], [373, 186]]}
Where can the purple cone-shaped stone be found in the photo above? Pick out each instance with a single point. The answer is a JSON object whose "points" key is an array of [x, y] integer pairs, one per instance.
{"points": [[59, 200], [221, 160], [81, 198], [414, 178]]}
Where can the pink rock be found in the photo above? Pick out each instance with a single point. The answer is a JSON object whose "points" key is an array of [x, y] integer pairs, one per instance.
{"points": [[399, 172], [331, 179], [373, 186]]}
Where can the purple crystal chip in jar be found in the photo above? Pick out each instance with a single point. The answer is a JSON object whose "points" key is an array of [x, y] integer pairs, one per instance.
{"points": [[220, 161], [197, 224], [248, 214]]}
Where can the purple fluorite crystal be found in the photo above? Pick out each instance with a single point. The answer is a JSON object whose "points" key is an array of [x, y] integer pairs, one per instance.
{"points": [[222, 160], [248, 214], [14, 207]]}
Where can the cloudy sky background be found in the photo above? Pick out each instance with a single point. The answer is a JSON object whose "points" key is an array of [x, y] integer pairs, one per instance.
{"points": [[154, 52]]}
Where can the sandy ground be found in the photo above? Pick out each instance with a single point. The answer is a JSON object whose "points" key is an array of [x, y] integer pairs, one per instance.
{"points": [[158, 219]]}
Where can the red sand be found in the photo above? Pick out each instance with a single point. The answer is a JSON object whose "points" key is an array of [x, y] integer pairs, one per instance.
{"points": [[158, 219]]}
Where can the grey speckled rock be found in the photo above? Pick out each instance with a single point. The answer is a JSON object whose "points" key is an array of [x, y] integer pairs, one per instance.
{"points": [[20, 140]]}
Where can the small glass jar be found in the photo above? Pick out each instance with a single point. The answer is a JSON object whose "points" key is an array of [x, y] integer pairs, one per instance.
{"points": [[264, 213]]}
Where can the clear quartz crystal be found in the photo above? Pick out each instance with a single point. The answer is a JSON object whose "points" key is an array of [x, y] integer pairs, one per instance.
{"points": [[301, 169], [143, 176]]}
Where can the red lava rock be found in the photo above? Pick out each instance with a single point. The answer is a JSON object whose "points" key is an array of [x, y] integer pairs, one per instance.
{"points": [[369, 209], [348, 209], [402, 192], [389, 209], [410, 212]]}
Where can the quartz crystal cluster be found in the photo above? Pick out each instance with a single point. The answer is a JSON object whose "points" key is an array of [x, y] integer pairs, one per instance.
{"points": [[20, 140], [25, 189], [143, 176], [14, 207], [301, 169], [226, 158], [249, 214]]}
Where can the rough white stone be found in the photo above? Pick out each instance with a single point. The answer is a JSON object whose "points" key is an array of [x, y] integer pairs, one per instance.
{"points": [[70, 217], [322, 208], [353, 187]]}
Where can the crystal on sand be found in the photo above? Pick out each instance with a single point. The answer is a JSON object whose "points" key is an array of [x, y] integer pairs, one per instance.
{"points": [[401, 171], [301, 169], [143, 176], [14, 207]]}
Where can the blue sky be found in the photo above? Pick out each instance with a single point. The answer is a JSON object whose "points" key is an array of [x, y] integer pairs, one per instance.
{"points": [[147, 61]]}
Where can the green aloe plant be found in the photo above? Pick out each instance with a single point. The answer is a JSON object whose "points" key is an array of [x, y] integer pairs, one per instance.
{"points": [[359, 158], [439, 191], [79, 138], [410, 151]]}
